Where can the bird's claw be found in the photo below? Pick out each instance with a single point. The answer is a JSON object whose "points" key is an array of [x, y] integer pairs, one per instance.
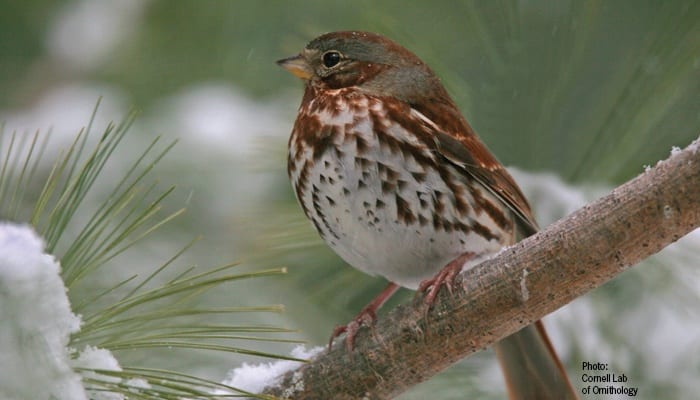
{"points": [[366, 317], [446, 277]]}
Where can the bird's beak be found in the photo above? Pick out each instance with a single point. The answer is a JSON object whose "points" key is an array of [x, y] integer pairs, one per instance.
{"points": [[298, 66]]}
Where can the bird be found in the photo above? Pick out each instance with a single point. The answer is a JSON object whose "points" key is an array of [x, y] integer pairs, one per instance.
{"points": [[399, 185]]}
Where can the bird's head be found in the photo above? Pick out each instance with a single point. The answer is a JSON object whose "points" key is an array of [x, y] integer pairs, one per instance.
{"points": [[366, 61]]}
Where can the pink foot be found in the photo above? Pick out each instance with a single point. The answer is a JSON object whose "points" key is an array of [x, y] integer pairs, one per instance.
{"points": [[366, 317], [445, 277]]}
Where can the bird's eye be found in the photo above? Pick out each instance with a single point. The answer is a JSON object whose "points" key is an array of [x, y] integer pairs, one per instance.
{"points": [[331, 58]]}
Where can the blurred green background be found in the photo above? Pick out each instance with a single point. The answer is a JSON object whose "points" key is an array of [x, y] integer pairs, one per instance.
{"points": [[589, 92]]}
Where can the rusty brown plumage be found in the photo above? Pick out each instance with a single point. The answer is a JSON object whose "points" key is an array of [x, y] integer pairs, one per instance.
{"points": [[399, 185]]}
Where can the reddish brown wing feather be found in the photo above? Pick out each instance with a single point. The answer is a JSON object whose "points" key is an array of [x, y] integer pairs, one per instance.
{"points": [[457, 142]]}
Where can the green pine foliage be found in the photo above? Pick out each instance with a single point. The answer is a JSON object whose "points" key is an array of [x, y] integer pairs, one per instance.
{"points": [[146, 312]]}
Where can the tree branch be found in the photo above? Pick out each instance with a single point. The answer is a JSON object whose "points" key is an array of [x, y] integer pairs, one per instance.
{"points": [[518, 286]]}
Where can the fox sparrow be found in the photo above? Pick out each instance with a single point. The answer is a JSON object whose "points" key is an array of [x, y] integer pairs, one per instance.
{"points": [[398, 184]]}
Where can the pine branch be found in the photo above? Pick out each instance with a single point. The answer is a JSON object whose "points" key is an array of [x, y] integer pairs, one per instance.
{"points": [[518, 286]]}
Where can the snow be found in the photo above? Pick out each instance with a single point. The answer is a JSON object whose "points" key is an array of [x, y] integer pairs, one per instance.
{"points": [[695, 146], [255, 377], [96, 358], [36, 321]]}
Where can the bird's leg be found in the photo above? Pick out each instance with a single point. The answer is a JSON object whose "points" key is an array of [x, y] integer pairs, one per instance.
{"points": [[445, 277], [367, 316]]}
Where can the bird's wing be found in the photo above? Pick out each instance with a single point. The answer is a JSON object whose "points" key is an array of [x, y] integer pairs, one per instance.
{"points": [[467, 152]]}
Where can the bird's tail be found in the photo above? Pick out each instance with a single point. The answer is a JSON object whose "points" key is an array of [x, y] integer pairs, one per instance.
{"points": [[531, 367]]}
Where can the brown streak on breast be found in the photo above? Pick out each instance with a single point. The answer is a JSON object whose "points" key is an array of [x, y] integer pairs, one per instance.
{"points": [[459, 202], [483, 231], [300, 185], [322, 102], [395, 145], [403, 211], [362, 145], [325, 139], [438, 204], [388, 187], [291, 166], [357, 104], [316, 201], [306, 127]]}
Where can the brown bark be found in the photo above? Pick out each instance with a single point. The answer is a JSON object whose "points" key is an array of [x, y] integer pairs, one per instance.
{"points": [[513, 289]]}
